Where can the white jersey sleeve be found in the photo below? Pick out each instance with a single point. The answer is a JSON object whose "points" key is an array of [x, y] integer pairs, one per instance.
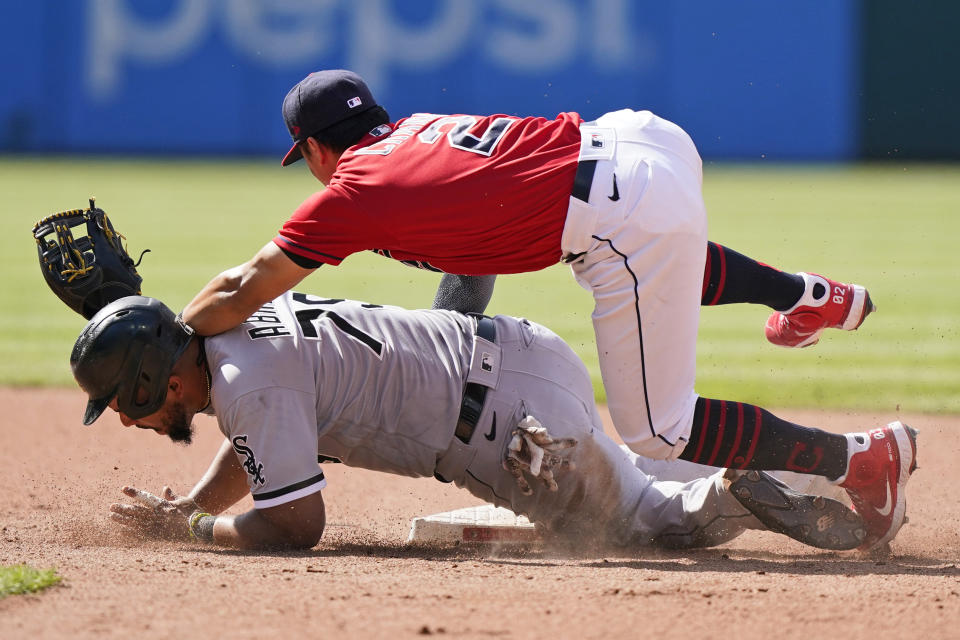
{"points": [[273, 432]]}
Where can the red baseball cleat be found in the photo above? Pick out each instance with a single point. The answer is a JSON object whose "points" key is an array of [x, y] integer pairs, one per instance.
{"points": [[879, 463], [825, 304]]}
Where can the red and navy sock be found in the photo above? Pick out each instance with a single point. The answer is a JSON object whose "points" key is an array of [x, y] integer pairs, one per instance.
{"points": [[730, 277], [744, 436]]}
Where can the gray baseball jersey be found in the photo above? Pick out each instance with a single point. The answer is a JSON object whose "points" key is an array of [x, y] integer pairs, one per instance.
{"points": [[381, 387], [377, 387]]}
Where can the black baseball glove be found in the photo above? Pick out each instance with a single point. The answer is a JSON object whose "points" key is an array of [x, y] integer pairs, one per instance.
{"points": [[86, 271]]}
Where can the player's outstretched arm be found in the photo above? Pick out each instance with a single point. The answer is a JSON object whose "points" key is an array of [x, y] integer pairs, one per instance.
{"points": [[234, 295], [224, 483], [296, 524], [466, 294]]}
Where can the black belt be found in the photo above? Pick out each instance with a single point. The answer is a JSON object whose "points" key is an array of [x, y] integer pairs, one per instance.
{"points": [[583, 180], [474, 394]]}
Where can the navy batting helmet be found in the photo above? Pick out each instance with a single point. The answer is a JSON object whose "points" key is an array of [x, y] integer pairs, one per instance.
{"points": [[127, 352]]}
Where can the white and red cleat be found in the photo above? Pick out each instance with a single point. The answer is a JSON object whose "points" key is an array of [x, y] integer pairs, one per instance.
{"points": [[825, 304], [879, 463]]}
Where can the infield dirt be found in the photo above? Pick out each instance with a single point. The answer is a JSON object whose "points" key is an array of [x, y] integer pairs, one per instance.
{"points": [[362, 581]]}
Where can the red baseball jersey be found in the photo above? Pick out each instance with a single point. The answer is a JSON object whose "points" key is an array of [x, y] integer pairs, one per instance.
{"points": [[471, 195]]}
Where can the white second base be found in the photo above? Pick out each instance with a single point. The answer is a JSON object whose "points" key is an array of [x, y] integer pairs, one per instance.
{"points": [[485, 524]]}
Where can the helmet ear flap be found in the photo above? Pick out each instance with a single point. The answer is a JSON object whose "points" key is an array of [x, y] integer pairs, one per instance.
{"points": [[144, 390]]}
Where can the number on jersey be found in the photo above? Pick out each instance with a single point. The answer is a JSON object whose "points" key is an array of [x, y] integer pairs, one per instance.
{"points": [[459, 136], [309, 317]]}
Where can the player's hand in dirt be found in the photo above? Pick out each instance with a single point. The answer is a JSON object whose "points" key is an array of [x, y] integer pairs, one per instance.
{"points": [[533, 450], [165, 517]]}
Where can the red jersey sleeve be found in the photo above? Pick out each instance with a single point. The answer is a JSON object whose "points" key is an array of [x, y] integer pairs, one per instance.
{"points": [[326, 228]]}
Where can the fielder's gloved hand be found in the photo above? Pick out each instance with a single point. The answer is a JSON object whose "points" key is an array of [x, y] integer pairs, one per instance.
{"points": [[534, 450], [88, 271]]}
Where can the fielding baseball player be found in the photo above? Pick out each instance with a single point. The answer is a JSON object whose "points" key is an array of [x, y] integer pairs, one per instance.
{"points": [[503, 407], [619, 199]]}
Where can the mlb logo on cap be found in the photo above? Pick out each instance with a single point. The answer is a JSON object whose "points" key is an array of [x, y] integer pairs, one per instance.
{"points": [[596, 141], [354, 102]]}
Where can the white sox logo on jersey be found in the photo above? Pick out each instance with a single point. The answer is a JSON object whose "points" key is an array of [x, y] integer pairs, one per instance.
{"points": [[250, 464]]}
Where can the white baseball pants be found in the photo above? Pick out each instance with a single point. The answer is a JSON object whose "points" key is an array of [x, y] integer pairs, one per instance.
{"points": [[639, 245]]}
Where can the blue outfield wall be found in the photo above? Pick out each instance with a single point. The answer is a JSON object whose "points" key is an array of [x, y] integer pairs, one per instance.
{"points": [[748, 79]]}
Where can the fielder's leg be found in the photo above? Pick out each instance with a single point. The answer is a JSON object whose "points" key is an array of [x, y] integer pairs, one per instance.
{"points": [[683, 471], [644, 267], [730, 277], [804, 304], [743, 436]]}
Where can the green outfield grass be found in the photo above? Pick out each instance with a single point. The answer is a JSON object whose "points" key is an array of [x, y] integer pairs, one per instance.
{"points": [[22, 578], [892, 228]]}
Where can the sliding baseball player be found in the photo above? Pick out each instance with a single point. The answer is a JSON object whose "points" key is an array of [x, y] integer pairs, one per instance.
{"points": [[500, 406]]}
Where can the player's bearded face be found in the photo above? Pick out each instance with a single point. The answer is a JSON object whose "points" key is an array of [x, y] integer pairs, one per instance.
{"points": [[178, 426]]}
